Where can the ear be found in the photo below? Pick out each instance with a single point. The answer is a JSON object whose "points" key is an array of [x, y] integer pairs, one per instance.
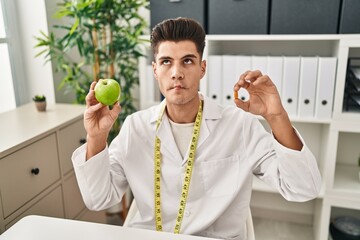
{"points": [[154, 69], [203, 68]]}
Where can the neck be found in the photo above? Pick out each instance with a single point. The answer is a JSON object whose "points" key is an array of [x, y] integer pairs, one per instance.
{"points": [[183, 113]]}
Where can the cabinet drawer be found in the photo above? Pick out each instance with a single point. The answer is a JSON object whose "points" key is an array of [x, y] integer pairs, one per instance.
{"points": [[350, 17], [70, 138], [19, 179], [161, 10], [311, 16], [51, 205], [74, 203], [237, 17]]}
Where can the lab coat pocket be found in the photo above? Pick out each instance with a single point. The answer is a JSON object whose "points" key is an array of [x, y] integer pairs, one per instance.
{"points": [[220, 176]]}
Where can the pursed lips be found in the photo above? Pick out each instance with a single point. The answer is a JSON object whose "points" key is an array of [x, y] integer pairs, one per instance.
{"points": [[177, 87]]}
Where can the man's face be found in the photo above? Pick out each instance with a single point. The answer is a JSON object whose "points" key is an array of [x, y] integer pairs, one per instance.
{"points": [[178, 70]]}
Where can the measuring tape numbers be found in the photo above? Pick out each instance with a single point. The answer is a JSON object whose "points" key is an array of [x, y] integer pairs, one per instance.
{"points": [[187, 176]]}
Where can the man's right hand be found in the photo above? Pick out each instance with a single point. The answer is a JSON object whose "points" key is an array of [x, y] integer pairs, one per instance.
{"points": [[98, 120]]}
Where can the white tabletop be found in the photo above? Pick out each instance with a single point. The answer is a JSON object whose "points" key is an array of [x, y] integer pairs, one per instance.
{"points": [[45, 228]]}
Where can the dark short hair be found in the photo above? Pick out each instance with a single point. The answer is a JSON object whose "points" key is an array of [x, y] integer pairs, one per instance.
{"points": [[178, 29]]}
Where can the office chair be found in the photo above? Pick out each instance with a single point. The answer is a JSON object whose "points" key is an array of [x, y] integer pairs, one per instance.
{"points": [[249, 223]]}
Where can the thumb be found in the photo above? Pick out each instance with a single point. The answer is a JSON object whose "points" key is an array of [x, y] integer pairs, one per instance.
{"points": [[241, 104]]}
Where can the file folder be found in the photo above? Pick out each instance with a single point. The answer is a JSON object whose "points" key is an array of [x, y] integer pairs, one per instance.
{"points": [[259, 63], [243, 64], [275, 71], [215, 78], [307, 86], [290, 90], [230, 77], [325, 87]]}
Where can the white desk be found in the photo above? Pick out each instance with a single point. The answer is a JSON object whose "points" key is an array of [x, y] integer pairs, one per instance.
{"points": [[45, 228]]}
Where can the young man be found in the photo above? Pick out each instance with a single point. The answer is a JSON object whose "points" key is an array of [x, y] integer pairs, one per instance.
{"points": [[188, 161]]}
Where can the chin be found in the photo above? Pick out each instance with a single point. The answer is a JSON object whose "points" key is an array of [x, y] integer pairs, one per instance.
{"points": [[177, 100]]}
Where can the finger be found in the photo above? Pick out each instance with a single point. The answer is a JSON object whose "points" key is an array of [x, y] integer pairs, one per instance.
{"points": [[242, 82], [90, 97], [241, 104], [115, 111], [261, 80], [253, 75], [92, 86], [96, 107]]}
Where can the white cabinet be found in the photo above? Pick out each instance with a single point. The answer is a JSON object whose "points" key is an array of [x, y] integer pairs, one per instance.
{"points": [[36, 175], [70, 137], [27, 172], [334, 141]]}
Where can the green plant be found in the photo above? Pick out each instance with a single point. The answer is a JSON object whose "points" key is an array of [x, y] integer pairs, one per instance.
{"points": [[106, 36], [39, 98]]}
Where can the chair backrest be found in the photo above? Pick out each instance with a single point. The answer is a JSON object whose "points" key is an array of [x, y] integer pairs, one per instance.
{"points": [[131, 213], [249, 223], [250, 227]]}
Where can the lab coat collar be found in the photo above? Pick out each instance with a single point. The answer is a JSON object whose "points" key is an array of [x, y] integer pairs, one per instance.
{"points": [[211, 112], [211, 109]]}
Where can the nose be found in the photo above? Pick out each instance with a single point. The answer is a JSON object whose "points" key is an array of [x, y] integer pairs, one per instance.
{"points": [[177, 73]]}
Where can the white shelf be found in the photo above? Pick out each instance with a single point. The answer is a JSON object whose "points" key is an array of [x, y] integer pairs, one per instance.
{"points": [[259, 185], [347, 180], [346, 126], [305, 120], [270, 229]]}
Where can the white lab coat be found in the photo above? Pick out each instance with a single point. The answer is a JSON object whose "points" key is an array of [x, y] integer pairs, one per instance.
{"points": [[232, 146]]}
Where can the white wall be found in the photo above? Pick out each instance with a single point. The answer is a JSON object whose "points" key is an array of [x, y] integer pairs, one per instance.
{"points": [[32, 19], [33, 16]]}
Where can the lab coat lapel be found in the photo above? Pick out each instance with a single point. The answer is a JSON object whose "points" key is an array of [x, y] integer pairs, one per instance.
{"points": [[211, 112], [166, 137], [204, 132]]}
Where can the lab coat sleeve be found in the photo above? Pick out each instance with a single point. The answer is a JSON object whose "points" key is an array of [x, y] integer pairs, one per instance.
{"points": [[101, 179], [295, 174]]}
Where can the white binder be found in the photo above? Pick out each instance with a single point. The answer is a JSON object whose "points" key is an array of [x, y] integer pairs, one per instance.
{"points": [[215, 78], [290, 90], [325, 87], [259, 63], [307, 86], [275, 71], [229, 79], [243, 64]]}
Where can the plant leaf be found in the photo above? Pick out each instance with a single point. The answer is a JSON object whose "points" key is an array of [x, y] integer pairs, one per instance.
{"points": [[76, 24]]}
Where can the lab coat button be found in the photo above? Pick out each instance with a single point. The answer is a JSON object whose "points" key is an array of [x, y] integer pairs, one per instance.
{"points": [[187, 213]]}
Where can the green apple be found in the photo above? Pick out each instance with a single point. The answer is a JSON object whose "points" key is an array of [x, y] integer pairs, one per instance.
{"points": [[107, 91]]}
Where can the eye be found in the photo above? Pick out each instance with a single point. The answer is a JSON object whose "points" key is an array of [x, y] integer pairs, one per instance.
{"points": [[165, 62], [188, 61]]}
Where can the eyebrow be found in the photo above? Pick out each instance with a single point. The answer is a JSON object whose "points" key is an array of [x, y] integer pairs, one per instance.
{"points": [[186, 56]]}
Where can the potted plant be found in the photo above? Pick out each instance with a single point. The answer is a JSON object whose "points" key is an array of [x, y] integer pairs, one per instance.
{"points": [[40, 102], [106, 35]]}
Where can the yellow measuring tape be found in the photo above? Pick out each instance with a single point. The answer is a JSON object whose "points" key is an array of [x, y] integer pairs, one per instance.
{"points": [[187, 177]]}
